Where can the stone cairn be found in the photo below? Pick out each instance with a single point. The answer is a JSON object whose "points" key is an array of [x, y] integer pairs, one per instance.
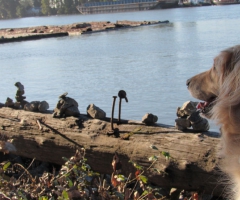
{"points": [[19, 95], [20, 102], [188, 117], [66, 107]]}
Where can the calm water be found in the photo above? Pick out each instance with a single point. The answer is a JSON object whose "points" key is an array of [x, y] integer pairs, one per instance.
{"points": [[151, 63]]}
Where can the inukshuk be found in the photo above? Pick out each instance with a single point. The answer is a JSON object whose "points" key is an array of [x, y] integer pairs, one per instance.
{"points": [[19, 95]]}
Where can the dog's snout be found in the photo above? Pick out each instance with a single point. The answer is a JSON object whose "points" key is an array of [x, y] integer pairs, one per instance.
{"points": [[188, 82]]}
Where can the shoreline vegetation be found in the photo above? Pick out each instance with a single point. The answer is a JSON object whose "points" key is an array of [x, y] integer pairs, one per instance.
{"points": [[39, 32]]}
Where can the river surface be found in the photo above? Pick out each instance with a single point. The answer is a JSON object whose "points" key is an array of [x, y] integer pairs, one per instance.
{"points": [[151, 63]]}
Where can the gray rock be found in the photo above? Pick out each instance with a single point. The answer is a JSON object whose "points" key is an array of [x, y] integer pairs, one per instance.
{"points": [[183, 122], [32, 106], [149, 119], [178, 127], [189, 107], [9, 102], [194, 117], [72, 111], [66, 107], [95, 112], [180, 113], [17, 105], [19, 86], [43, 106], [202, 125]]}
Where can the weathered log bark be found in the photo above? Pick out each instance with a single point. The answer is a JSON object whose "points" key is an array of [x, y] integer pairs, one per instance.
{"points": [[193, 167]]}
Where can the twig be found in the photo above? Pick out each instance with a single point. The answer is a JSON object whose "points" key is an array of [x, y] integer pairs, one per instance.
{"points": [[127, 180], [151, 164], [26, 170], [133, 189], [39, 124], [63, 174]]}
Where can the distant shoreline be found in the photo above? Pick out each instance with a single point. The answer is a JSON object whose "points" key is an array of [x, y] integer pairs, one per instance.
{"points": [[39, 32]]}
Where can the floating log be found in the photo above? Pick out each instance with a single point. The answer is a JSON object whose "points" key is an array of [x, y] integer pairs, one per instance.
{"points": [[193, 163]]}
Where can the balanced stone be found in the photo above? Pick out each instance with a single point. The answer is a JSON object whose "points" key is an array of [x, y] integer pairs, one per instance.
{"points": [[195, 117], [189, 107], [202, 125], [183, 122], [188, 117], [66, 107]]}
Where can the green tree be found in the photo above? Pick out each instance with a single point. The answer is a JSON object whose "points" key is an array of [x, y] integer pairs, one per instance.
{"points": [[45, 6], [8, 8]]}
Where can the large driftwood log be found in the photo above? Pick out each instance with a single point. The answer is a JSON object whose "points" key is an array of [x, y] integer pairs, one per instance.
{"points": [[194, 163]]}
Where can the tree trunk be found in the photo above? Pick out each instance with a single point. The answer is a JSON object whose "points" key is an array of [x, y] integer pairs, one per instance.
{"points": [[193, 156]]}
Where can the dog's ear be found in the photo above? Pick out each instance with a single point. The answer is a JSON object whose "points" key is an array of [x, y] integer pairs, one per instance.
{"points": [[223, 63]]}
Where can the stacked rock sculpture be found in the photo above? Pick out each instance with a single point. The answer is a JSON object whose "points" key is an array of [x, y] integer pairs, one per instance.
{"points": [[19, 95], [189, 117], [66, 107]]}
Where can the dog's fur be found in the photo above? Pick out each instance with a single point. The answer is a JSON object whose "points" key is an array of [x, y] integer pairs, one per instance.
{"points": [[220, 85]]}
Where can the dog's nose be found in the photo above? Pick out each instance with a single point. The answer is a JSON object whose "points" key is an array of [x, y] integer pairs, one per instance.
{"points": [[188, 82]]}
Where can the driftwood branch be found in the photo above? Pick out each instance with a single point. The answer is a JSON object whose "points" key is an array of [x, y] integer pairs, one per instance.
{"points": [[192, 166]]}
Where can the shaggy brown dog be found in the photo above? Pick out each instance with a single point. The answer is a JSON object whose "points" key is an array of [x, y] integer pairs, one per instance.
{"points": [[219, 88]]}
